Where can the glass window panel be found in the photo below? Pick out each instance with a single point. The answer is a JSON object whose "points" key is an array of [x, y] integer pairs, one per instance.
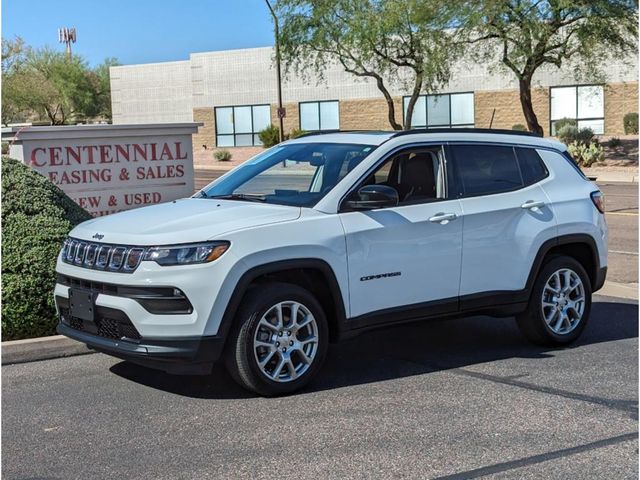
{"points": [[590, 101], [244, 140], [531, 165], [224, 120], [309, 120], [224, 141], [261, 117], [563, 103], [256, 140], [329, 116], [419, 117], [487, 169], [596, 125], [242, 117], [462, 109], [438, 109]]}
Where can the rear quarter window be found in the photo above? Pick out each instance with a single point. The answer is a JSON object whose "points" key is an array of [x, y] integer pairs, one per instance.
{"points": [[531, 165]]}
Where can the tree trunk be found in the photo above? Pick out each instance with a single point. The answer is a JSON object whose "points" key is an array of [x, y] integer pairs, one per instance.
{"points": [[391, 108], [527, 107], [412, 100]]}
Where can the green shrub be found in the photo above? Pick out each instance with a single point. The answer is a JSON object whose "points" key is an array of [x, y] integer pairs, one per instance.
{"points": [[5, 148], [295, 133], [570, 134], [223, 155], [630, 122], [614, 142], [270, 136], [563, 122], [36, 218], [567, 134], [519, 127], [586, 155]]}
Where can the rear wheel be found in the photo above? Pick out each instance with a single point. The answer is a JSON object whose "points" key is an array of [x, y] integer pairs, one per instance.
{"points": [[560, 303], [279, 341]]}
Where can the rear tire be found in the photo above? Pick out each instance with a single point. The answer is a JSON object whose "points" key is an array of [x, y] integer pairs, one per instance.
{"points": [[560, 303], [279, 340]]}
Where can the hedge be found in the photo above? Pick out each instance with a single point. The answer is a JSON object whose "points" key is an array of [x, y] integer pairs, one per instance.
{"points": [[36, 218]]}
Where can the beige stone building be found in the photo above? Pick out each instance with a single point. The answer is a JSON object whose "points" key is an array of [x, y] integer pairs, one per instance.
{"points": [[233, 93]]}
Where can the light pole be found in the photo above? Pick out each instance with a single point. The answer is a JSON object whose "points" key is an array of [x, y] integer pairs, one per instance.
{"points": [[281, 111]]}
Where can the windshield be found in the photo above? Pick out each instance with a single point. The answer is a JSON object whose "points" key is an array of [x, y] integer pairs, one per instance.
{"points": [[299, 174]]}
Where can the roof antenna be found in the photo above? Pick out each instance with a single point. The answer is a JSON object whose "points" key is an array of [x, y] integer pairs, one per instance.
{"points": [[493, 114]]}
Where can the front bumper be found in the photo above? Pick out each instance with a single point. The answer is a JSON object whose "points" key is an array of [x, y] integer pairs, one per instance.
{"points": [[178, 356]]}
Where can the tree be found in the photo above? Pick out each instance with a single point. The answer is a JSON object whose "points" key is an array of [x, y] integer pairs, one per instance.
{"points": [[46, 84], [530, 34], [103, 86], [405, 43]]}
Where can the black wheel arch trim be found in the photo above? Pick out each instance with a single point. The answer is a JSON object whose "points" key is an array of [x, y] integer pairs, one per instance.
{"points": [[253, 273]]}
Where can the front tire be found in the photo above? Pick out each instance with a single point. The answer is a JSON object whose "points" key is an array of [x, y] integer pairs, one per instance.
{"points": [[279, 340], [560, 303]]}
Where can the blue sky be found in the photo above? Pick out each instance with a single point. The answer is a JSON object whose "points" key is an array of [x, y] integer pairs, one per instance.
{"points": [[140, 31]]}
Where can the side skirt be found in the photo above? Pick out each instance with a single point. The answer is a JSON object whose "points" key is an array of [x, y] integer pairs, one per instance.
{"points": [[496, 304]]}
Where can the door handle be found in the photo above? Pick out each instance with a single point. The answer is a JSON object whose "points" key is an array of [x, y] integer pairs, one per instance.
{"points": [[443, 217], [532, 204]]}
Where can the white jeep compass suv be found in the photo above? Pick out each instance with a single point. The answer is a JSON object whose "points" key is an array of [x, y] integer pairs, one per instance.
{"points": [[326, 236]]}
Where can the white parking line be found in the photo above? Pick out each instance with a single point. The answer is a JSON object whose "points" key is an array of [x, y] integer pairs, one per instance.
{"points": [[623, 253]]}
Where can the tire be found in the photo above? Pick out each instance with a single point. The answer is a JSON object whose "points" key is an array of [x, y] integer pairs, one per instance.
{"points": [[289, 361], [544, 303]]}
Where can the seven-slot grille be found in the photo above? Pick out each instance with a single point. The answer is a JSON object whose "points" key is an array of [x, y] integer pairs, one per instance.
{"points": [[101, 256]]}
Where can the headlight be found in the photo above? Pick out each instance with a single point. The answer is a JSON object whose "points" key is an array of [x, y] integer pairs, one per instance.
{"points": [[186, 254]]}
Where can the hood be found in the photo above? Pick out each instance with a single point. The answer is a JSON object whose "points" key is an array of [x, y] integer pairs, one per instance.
{"points": [[183, 221]]}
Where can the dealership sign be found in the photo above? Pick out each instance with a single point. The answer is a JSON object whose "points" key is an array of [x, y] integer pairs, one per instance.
{"points": [[110, 168]]}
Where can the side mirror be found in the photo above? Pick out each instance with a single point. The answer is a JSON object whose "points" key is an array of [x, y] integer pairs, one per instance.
{"points": [[371, 197]]}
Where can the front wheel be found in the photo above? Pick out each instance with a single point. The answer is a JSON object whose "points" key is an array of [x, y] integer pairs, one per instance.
{"points": [[560, 303], [279, 341]]}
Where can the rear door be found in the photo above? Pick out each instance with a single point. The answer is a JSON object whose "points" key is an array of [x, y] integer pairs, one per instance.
{"points": [[507, 217]]}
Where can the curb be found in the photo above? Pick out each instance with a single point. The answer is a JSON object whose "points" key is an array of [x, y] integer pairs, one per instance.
{"points": [[42, 348], [619, 290]]}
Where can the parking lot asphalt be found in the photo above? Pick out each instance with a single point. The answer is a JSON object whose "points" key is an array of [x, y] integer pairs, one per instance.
{"points": [[452, 399]]}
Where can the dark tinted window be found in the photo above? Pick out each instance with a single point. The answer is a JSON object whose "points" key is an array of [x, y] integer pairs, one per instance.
{"points": [[531, 165], [486, 169]]}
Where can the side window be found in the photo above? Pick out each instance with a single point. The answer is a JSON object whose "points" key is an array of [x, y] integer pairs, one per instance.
{"points": [[531, 165], [417, 174], [486, 169]]}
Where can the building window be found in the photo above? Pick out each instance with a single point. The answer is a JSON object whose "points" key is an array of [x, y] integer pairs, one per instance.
{"points": [[239, 126], [316, 116], [584, 103], [438, 111]]}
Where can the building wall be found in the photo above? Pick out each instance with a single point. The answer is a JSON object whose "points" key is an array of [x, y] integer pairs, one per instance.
{"points": [[619, 99], [205, 138], [190, 90], [508, 111], [151, 93]]}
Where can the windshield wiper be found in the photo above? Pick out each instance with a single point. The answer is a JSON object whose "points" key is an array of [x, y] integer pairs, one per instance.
{"points": [[252, 197]]}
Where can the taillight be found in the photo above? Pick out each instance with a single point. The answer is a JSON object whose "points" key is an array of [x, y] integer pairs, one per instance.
{"points": [[597, 198]]}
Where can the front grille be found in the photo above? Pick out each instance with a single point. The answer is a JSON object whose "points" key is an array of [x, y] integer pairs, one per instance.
{"points": [[101, 256]]}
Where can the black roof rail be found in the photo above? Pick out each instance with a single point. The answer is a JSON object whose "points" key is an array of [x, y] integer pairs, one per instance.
{"points": [[415, 131], [324, 132], [465, 130]]}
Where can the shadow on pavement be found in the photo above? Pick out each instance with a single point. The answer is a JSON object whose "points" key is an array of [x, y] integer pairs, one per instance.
{"points": [[412, 349]]}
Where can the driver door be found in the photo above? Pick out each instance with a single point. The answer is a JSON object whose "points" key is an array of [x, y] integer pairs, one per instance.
{"points": [[404, 261]]}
